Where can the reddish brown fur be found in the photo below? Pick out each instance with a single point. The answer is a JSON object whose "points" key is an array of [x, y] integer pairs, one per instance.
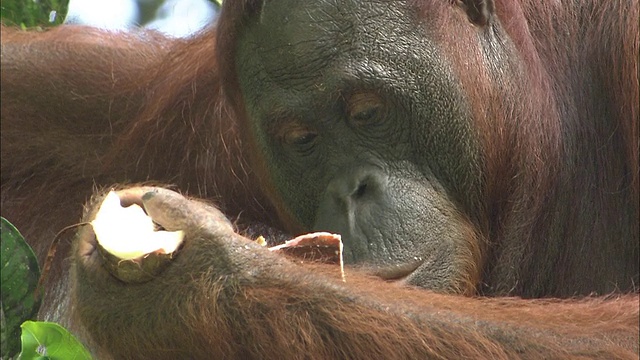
{"points": [[155, 110], [111, 139], [284, 310]]}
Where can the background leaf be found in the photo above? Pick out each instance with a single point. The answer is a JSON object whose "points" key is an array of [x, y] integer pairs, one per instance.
{"points": [[28, 14], [18, 281], [51, 341]]}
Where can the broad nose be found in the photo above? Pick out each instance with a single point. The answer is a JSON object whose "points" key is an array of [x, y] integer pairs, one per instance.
{"points": [[357, 187], [348, 207]]}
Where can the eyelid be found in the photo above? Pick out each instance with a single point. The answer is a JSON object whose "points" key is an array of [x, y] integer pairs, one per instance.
{"points": [[293, 136], [364, 96], [291, 133], [361, 103]]}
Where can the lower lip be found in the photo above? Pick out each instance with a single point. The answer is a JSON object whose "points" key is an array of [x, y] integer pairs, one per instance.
{"points": [[397, 272]]}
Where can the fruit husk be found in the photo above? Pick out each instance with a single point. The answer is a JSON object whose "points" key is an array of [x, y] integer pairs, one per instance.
{"points": [[138, 270], [315, 247]]}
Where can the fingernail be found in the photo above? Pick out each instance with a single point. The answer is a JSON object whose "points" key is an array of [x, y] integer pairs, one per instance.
{"points": [[149, 195]]}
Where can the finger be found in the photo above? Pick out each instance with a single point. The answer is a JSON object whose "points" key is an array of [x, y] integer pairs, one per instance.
{"points": [[175, 212]]}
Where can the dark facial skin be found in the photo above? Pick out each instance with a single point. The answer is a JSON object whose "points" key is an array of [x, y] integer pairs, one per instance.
{"points": [[364, 134]]}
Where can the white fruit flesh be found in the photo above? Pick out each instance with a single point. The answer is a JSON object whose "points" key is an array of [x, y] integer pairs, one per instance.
{"points": [[128, 233]]}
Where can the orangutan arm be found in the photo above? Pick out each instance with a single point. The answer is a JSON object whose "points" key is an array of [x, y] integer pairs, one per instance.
{"points": [[223, 296]]}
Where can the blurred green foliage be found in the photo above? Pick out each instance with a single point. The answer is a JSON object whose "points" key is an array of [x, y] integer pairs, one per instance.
{"points": [[33, 13]]}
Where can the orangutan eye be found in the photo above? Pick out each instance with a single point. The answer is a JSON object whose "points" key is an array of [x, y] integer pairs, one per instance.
{"points": [[301, 139], [365, 109]]}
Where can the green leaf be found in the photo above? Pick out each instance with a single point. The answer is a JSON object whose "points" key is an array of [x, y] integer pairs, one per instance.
{"points": [[18, 282], [50, 341]]}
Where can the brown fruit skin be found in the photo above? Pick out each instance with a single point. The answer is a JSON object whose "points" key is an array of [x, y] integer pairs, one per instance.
{"points": [[314, 247]]}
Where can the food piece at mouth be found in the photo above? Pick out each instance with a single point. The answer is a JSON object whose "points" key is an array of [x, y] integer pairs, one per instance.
{"points": [[320, 246]]}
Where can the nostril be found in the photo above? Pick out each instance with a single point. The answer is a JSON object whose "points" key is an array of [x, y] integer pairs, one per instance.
{"points": [[359, 185], [360, 191]]}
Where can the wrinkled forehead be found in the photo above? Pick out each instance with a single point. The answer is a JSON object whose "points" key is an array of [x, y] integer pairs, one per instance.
{"points": [[302, 37]]}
